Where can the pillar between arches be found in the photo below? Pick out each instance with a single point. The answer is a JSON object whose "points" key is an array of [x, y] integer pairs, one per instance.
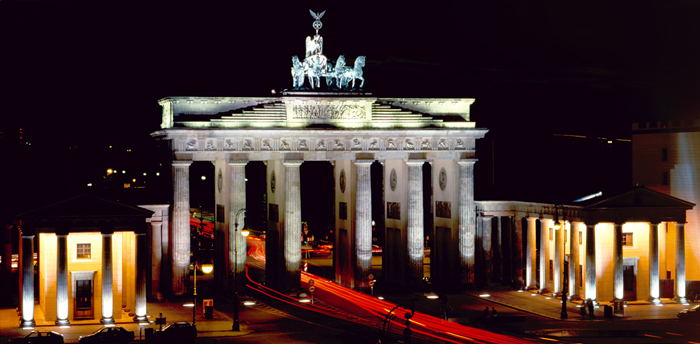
{"points": [[180, 247], [680, 263], [591, 292]]}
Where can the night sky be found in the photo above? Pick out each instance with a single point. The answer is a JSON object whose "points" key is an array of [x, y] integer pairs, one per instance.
{"points": [[86, 75]]}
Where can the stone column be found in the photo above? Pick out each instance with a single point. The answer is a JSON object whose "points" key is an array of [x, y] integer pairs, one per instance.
{"points": [[156, 258], [141, 263], [107, 292], [181, 226], [531, 259], [486, 245], [618, 278], [62, 279], [591, 292], [559, 257], [680, 263], [237, 202], [517, 247], [544, 262], [574, 266], [363, 222], [467, 225], [28, 281], [654, 290], [292, 222], [497, 248], [415, 234]]}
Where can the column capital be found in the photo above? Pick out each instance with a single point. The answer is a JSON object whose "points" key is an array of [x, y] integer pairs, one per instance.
{"points": [[467, 161], [238, 163], [363, 162], [415, 162], [292, 162], [182, 163]]}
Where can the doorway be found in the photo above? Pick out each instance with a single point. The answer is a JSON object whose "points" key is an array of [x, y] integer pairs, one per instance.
{"points": [[83, 300], [629, 277]]}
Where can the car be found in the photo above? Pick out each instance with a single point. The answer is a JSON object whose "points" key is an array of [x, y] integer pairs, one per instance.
{"points": [[113, 334], [176, 332], [34, 337], [692, 314]]}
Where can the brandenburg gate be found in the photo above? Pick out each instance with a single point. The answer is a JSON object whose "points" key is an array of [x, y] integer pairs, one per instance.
{"points": [[350, 129]]}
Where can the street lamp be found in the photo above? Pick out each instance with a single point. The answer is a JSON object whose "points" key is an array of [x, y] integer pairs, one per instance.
{"points": [[206, 268], [245, 232]]}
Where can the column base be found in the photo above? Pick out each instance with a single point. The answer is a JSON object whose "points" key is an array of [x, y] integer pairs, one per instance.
{"points": [[574, 297], [654, 300], [107, 321], [27, 324], [141, 319], [63, 323], [544, 291], [680, 299]]}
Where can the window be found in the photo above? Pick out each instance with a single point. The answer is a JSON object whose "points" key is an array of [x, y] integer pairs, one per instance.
{"points": [[83, 251], [627, 239], [664, 154], [580, 237], [664, 178]]}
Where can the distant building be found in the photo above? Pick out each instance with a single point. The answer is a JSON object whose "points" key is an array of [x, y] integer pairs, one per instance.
{"points": [[666, 158]]}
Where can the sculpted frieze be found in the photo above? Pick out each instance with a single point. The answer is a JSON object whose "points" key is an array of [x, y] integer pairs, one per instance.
{"points": [[409, 144], [443, 145], [338, 145], [191, 145], [374, 144], [210, 145], [461, 145], [248, 144], [425, 144], [284, 144], [229, 145], [320, 145], [328, 111], [303, 145], [356, 144], [266, 145]]}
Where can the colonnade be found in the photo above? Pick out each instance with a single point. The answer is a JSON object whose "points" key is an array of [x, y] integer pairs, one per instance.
{"points": [[353, 213], [501, 257]]}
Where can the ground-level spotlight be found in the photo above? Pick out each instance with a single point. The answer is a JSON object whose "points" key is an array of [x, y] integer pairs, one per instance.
{"points": [[380, 297], [189, 305], [249, 303], [432, 296], [533, 294], [484, 295], [303, 298]]}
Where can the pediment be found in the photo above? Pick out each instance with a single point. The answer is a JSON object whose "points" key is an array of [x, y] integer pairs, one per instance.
{"points": [[85, 206], [641, 197]]}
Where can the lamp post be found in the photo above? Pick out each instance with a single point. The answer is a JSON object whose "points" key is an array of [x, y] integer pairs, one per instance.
{"points": [[206, 268], [236, 325]]}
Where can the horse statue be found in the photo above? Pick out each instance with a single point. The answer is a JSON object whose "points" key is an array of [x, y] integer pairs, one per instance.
{"points": [[297, 73], [354, 73], [315, 67], [336, 73]]}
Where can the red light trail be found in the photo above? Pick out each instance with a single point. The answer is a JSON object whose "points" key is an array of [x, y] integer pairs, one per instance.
{"points": [[364, 307]]}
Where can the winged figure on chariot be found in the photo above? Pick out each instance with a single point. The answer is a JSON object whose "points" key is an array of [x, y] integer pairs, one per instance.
{"points": [[316, 65]]}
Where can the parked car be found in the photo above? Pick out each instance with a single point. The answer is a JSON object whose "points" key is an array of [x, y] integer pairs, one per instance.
{"points": [[176, 332], [692, 314], [114, 334], [40, 337]]}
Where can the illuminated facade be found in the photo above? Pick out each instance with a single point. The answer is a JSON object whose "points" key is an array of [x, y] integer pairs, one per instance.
{"points": [[665, 158], [350, 131], [623, 247], [92, 261]]}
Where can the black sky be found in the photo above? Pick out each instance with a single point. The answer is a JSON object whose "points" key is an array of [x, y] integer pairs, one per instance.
{"points": [[97, 70], [86, 73]]}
